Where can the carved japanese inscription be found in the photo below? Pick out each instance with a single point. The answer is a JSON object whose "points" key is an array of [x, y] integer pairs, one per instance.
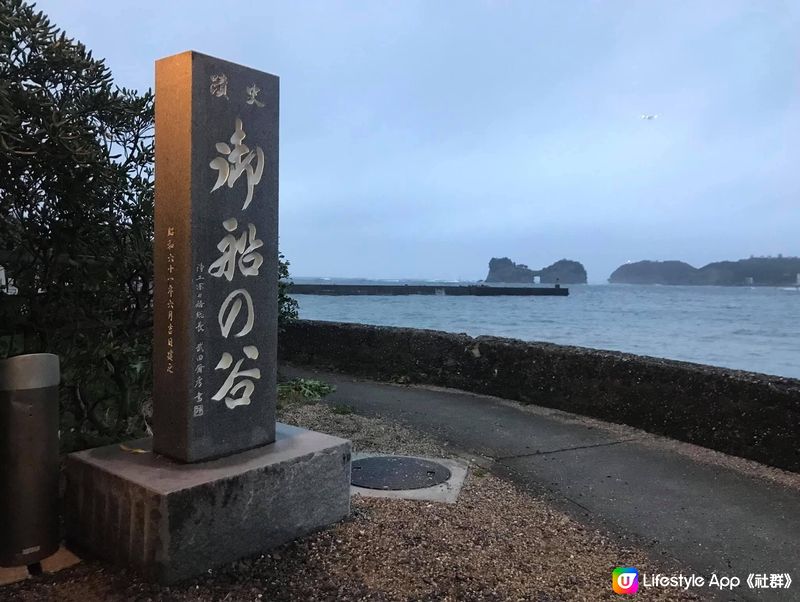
{"points": [[215, 330]]}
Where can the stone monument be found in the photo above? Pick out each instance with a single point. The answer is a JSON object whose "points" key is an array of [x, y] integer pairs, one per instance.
{"points": [[216, 258], [219, 480]]}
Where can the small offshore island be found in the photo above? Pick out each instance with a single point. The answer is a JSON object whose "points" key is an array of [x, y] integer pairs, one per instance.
{"points": [[755, 271], [564, 271]]}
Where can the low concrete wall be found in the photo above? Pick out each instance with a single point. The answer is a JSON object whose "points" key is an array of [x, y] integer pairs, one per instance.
{"points": [[742, 413]]}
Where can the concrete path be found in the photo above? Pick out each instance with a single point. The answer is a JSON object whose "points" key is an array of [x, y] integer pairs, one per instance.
{"points": [[711, 512]]}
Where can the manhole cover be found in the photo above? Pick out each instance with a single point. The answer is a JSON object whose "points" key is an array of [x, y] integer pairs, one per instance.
{"points": [[397, 472]]}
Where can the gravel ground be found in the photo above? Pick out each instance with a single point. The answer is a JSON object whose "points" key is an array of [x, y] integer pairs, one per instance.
{"points": [[496, 543], [366, 434]]}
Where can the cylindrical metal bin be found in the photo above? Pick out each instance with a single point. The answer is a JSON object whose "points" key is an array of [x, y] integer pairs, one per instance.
{"points": [[28, 458]]}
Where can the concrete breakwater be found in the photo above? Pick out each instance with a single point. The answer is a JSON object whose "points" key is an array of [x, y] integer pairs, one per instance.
{"points": [[751, 415], [427, 289]]}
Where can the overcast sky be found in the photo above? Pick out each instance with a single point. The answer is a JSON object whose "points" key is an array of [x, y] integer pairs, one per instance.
{"points": [[420, 139]]}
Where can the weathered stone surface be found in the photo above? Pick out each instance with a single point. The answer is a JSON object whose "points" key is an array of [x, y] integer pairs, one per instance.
{"points": [[216, 257], [751, 415], [172, 521]]}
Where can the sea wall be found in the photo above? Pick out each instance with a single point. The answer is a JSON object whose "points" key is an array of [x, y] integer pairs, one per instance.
{"points": [[751, 415]]}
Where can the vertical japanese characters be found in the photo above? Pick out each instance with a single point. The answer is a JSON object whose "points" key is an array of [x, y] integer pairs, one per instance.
{"points": [[238, 255], [199, 351], [170, 365]]}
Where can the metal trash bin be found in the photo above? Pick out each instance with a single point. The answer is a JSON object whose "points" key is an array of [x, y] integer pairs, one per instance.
{"points": [[29, 528]]}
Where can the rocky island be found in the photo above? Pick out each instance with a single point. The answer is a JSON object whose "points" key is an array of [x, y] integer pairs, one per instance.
{"points": [[755, 271], [564, 271], [505, 270]]}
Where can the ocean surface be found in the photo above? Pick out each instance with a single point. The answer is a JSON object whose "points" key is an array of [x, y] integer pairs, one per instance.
{"points": [[755, 329]]}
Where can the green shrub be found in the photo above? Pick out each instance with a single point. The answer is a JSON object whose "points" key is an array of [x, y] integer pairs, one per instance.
{"points": [[76, 225], [302, 390]]}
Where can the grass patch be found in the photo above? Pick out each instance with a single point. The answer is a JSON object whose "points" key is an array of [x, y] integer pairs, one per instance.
{"points": [[302, 391]]}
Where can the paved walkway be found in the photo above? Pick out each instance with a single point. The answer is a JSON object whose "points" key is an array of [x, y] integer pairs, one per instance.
{"points": [[709, 511]]}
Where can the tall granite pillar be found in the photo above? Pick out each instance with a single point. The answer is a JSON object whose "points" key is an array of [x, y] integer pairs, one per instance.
{"points": [[216, 257]]}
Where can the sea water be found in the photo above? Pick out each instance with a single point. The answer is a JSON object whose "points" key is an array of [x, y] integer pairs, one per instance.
{"points": [[755, 329]]}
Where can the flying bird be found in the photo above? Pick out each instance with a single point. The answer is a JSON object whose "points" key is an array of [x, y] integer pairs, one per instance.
{"points": [[649, 117]]}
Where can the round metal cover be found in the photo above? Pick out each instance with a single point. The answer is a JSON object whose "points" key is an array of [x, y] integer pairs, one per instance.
{"points": [[397, 472]]}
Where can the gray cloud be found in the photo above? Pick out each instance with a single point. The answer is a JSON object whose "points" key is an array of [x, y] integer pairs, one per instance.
{"points": [[420, 139]]}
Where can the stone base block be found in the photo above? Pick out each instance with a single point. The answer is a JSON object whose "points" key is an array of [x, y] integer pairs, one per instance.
{"points": [[172, 521]]}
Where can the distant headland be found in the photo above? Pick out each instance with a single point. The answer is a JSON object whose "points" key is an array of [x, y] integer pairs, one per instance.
{"points": [[755, 271], [564, 271]]}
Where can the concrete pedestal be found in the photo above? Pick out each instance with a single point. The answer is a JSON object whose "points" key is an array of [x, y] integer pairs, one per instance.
{"points": [[172, 521]]}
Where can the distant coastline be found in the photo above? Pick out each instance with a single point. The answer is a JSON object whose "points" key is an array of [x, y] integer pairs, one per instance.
{"points": [[755, 271]]}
